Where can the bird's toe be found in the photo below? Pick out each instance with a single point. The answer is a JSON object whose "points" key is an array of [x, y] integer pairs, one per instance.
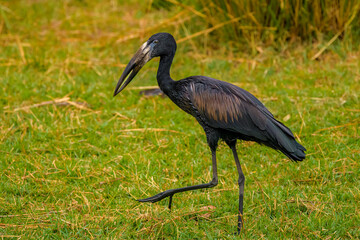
{"points": [[156, 197]]}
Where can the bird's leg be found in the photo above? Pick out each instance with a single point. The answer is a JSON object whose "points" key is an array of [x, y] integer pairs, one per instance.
{"points": [[241, 182], [171, 192]]}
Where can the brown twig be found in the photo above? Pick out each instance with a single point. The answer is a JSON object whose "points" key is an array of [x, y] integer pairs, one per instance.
{"points": [[335, 127], [65, 101], [150, 129]]}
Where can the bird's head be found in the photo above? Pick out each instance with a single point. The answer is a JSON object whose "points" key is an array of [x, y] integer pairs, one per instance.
{"points": [[158, 45]]}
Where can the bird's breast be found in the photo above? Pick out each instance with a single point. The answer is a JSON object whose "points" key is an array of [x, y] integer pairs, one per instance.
{"points": [[182, 101]]}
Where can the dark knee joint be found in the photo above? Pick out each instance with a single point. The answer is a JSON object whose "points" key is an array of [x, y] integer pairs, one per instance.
{"points": [[214, 182], [241, 179]]}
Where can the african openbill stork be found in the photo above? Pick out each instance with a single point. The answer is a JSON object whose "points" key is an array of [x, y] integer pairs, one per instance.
{"points": [[225, 112]]}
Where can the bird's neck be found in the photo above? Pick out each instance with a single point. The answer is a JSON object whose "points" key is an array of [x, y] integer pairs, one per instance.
{"points": [[163, 75]]}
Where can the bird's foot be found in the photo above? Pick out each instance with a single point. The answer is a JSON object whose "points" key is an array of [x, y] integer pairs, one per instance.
{"points": [[159, 196], [239, 228], [237, 233]]}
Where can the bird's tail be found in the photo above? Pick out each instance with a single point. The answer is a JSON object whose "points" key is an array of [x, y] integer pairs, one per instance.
{"points": [[282, 139]]}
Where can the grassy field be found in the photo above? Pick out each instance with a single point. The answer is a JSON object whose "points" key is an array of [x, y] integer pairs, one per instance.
{"points": [[73, 159]]}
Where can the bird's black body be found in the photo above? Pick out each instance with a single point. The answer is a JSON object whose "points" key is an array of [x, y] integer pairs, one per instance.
{"points": [[232, 113], [224, 110]]}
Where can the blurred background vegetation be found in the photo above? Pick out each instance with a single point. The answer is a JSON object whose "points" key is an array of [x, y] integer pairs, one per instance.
{"points": [[275, 23], [246, 26], [269, 23]]}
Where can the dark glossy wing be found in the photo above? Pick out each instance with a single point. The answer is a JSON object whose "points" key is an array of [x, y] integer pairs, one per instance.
{"points": [[226, 106], [222, 105]]}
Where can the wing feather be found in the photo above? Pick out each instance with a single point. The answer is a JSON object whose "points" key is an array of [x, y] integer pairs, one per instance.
{"points": [[223, 106]]}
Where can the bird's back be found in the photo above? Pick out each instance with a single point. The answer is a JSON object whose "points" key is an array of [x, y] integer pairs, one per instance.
{"points": [[234, 111]]}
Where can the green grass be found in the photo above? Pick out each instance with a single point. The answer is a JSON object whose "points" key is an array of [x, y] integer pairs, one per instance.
{"points": [[74, 168]]}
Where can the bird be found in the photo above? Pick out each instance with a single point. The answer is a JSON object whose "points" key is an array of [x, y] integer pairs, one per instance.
{"points": [[226, 112]]}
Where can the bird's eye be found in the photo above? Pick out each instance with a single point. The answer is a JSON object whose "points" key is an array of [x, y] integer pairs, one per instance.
{"points": [[155, 41]]}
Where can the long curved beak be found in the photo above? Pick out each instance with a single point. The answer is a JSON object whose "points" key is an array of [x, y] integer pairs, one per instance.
{"points": [[142, 56]]}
